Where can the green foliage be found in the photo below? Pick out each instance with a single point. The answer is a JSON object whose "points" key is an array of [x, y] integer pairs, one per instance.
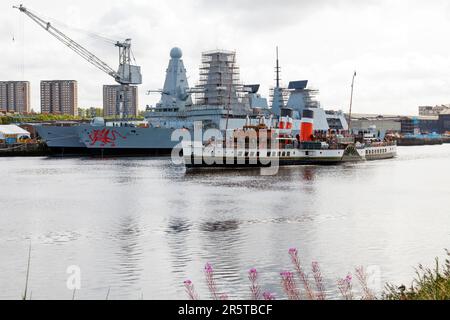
{"points": [[430, 284], [83, 114], [37, 118]]}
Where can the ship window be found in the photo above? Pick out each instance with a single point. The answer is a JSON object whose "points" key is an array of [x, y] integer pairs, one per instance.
{"points": [[288, 154], [246, 154], [279, 153], [274, 154], [284, 154], [252, 154], [268, 154]]}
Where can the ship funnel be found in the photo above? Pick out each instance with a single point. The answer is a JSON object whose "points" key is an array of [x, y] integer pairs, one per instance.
{"points": [[282, 123], [307, 126], [289, 123]]}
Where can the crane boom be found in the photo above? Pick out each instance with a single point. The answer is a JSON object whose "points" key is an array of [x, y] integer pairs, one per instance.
{"points": [[77, 48], [126, 75]]}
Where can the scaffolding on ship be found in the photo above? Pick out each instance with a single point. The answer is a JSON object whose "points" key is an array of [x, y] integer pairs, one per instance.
{"points": [[219, 84]]}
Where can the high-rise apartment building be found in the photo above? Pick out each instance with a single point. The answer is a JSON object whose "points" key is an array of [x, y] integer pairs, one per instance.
{"points": [[15, 96], [59, 97], [111, 95]]}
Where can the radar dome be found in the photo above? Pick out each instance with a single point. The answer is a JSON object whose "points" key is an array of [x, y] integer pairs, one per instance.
{"points": [[176, 53]]}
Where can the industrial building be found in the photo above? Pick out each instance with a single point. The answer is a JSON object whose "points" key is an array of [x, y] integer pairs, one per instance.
{"points": [[402, 124], [15, 96], [428, 124], [59, 97], [111, 98], [433, 111], [381, 123], [444, 121]]}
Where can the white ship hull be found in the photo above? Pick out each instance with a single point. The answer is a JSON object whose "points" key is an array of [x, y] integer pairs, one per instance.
{"points": [[214, 156]]}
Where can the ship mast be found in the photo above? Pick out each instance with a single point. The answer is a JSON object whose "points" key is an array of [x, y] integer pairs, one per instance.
{"points": [[277, 95], [277, 70], [351, 103]]}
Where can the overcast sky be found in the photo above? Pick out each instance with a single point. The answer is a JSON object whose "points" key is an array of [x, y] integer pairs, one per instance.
{"points": [[400, 49]]}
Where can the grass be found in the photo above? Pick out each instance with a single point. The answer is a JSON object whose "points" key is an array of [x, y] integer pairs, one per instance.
{"points": [[430, 284], [25, 292]]}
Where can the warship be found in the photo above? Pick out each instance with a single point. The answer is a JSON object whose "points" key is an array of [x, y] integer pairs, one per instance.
{"points": [[219, 101]]}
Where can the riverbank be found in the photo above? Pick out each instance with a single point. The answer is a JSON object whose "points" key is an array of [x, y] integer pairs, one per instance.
{"points": [[37, 149]]}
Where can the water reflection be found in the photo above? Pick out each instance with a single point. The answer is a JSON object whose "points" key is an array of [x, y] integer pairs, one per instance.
{"points": [[130, 251], [177, 226], [177, 242], [220, 226], [222, 242]]}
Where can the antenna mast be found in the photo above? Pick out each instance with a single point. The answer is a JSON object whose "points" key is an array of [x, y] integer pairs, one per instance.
{"points": [[277, 70], [351, 103]]}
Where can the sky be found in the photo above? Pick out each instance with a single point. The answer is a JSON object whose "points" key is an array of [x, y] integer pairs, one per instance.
{"points": [[400, 48]]}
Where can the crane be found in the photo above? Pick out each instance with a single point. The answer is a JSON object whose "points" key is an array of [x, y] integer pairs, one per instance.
{"points": [[127, 73]]}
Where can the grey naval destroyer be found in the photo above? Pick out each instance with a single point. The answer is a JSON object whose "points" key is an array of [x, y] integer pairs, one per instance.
{"points": [[219, 101]]}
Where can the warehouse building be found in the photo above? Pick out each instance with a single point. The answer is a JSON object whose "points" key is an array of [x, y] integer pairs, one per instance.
{"points": [[444, 122], [380, 123], [11, 134]]}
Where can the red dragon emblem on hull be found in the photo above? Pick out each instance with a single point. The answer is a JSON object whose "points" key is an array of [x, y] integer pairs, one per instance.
{"points": [[105, 137]]}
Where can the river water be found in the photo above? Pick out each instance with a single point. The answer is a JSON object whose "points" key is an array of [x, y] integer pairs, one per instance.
{"points": [[139, 227]]}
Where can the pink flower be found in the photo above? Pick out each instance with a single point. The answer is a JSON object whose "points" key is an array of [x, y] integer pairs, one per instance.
{"points": [[208, 268], [253, 271], [268, 296], [293, 251], [348, 278], [188, 282]]}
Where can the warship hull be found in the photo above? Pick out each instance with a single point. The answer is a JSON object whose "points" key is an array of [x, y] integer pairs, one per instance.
{"points": [[107, 140]]}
